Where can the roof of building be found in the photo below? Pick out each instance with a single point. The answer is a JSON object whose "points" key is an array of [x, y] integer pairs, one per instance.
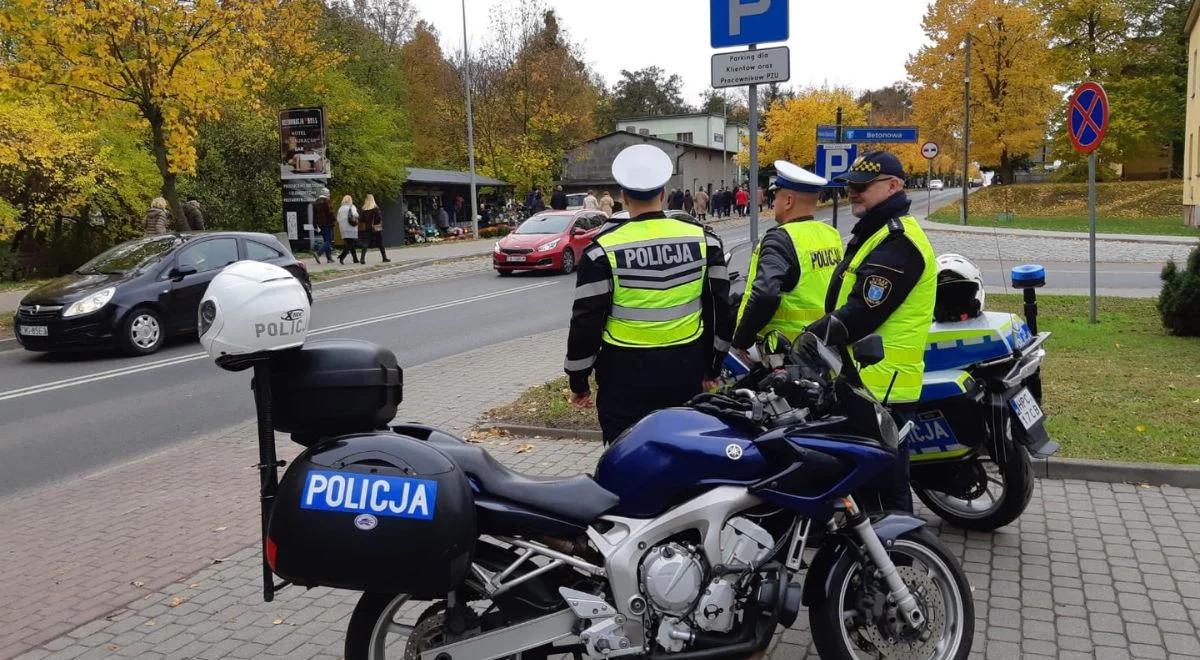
{"points": [[728, 120], [651, 138], [451, 178]]}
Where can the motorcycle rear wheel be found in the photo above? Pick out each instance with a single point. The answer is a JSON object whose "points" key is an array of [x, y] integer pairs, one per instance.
{"points": [[1008, 487], [938, 583]]}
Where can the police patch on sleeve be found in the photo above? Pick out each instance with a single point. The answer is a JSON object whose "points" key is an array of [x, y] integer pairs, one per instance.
{"points": [[876, 290]]}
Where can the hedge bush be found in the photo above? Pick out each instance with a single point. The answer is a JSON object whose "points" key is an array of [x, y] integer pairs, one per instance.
{"points": [[1179, 301]]}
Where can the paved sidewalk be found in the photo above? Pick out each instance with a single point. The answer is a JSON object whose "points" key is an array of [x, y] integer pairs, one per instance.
{"points": [[1040, 233], [79, 550], [1092, 570]]}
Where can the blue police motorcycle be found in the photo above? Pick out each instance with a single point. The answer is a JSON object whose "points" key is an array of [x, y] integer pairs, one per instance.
{"points": [[686, 544], [979, 418]]}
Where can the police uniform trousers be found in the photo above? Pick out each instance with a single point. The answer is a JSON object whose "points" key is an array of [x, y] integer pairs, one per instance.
{"points": [[634, 382], [891, 491]]}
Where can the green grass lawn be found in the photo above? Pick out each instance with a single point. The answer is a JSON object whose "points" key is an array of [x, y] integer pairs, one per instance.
{"points": [[1171, 226], [1121, 390]]}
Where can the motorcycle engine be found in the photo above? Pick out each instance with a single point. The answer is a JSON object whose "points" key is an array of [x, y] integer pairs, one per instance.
{"points": [[675, 581], [672, 575]]}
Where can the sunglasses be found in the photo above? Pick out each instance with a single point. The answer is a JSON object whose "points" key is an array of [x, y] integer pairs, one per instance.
{"points": [[862, 187]]}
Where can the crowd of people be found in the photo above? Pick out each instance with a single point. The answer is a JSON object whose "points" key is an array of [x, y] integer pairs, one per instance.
{"points": [[360, 229], [157, 219]]}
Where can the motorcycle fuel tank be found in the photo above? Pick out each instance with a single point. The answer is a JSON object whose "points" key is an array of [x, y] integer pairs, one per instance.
{"points": [[672, 455]]}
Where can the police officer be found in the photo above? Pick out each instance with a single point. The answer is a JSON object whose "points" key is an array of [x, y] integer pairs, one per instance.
{"points": [[792, 266], [651, 312], [886, 284]]}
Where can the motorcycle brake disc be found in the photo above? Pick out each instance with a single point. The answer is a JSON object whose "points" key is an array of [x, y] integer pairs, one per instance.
{"points": [[908, 643]]}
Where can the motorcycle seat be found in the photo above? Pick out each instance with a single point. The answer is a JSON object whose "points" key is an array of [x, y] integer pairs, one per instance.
{"points": [[577, 499]]}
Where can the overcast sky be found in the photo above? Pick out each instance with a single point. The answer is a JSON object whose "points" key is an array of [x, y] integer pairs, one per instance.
{"points": [[860, 43]]}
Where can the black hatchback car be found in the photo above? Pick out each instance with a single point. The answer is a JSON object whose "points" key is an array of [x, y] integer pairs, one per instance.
{"points": [[136, 294]]}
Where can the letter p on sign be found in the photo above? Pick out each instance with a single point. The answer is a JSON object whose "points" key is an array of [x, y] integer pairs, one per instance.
{"points": [[738, 9], [744, 22]]}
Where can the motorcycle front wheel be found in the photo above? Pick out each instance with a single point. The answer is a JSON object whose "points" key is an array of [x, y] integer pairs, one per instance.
{"points": [[1002, 488], [855, 620]]}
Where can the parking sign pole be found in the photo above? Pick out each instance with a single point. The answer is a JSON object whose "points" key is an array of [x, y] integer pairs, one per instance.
{"points": [[1092, 230], [753, 160], [929, 191], [839, 141]]}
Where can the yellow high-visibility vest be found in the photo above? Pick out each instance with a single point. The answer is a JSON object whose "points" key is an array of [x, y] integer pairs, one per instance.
{"points": [[905, 331]]}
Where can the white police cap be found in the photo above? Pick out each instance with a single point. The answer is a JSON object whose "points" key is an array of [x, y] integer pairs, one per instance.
{"points": [[642, 170], [794, 177]]}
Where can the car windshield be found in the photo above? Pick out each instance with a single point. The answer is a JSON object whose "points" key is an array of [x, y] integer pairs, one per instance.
{"points": [[130, 256], [545, 224]]}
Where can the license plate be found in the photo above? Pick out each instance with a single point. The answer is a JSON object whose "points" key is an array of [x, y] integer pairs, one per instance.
{"points": [[1027, 409], [515, 259], [35, 330]]}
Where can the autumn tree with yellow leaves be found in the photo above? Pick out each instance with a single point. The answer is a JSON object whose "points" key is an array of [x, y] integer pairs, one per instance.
{"points": [[1012, 77], [175, 64], [789, 128]]}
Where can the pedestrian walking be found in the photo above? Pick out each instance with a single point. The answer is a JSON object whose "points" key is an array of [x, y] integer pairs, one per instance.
{"points": [[590, 202], [323, 218], [606, 204], [791, 268], [760, 199], [701, 201], [742, 199], [886, 284], [348, 218], [156, 218], [558, 201], [192, 214], [371, 224], [443, 221], [688, 202], [671, 201], [654, 328], [539, 204]]}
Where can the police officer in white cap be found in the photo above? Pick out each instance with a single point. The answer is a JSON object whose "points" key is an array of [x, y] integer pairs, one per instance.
{"points": [[651, 313], [792, 266]]}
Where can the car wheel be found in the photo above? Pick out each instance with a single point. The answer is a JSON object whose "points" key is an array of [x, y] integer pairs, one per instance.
{"points": [[504, 273], [142, 332], [568, 261]]}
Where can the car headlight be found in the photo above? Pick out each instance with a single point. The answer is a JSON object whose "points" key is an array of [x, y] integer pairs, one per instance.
{"points": [[208, 314], [496, 247], [91, 304], [549, 246]]}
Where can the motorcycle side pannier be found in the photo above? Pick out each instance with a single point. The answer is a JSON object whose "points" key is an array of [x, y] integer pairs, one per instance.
{"points": [[335, 386], [373, 512]]}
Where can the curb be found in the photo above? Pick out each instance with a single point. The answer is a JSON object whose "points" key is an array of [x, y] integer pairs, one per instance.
{"points": [[544, 431], [399, 268], [945, 227], [1155, 474]]}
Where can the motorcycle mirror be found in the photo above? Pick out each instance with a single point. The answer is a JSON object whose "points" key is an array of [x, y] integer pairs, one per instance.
{"points": [[869, 350], [836, 333]]}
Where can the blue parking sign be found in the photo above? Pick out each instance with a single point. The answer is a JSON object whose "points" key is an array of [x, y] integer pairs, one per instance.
{"points": [[745, 22], [835, 160]]}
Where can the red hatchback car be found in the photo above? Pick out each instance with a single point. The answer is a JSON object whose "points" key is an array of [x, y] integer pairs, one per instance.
{"points": [[550, 240]]}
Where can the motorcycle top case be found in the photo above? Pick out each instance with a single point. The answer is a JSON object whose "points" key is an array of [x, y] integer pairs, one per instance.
{"points": [[988, 336], [335, 386], [373, 512]]}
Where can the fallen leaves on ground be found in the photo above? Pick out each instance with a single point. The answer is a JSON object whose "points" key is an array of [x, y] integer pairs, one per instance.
{"points": [[176, 602], [524, 448], [138, 583]]}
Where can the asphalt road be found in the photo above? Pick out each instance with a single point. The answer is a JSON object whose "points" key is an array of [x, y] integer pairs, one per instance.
{"points": [[63, 415]]}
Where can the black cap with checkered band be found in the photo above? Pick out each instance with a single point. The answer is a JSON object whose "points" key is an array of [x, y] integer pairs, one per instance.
{"points": [[871, 166]]}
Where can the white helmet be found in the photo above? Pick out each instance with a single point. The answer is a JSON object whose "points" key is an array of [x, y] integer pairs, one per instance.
{"points": [[960, 294], [251, 308]]}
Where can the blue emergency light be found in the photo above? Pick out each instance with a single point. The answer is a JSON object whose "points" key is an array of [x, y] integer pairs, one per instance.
{"points": [[1028, 276]]}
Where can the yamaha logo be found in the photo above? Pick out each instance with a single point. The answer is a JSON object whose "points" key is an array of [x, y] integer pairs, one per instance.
{"points": [[366, 522], [734, 452]]}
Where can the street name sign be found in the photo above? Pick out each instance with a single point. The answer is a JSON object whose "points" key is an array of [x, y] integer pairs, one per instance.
{"points": [[880, 134], [751, 67], [835, 160], [745, 22], [930, 150], [1088, 117], [826, 133]]}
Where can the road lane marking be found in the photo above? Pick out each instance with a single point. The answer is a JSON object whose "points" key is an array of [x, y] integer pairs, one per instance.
{"points": [[168, 362]]}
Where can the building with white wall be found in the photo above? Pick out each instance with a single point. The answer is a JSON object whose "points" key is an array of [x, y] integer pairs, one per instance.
{"points": [[703, 129]]}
